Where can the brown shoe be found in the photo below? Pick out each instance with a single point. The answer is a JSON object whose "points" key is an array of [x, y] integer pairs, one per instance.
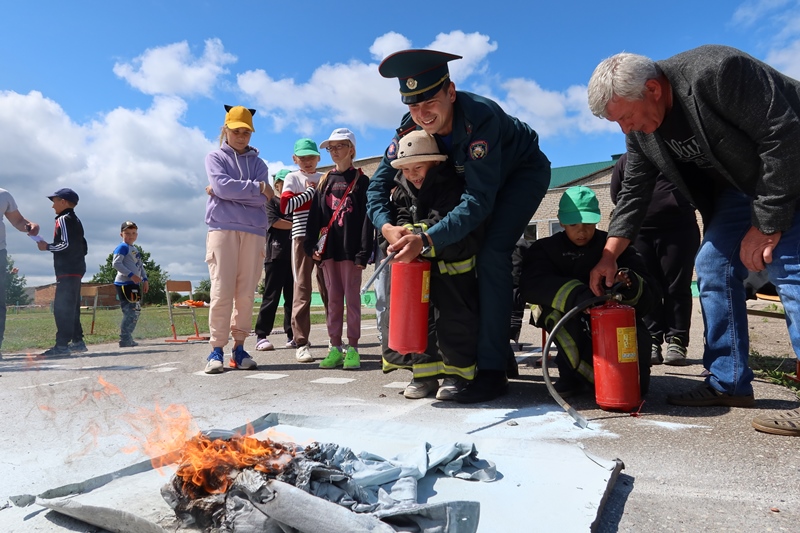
{"points": [[706, 396], [787, 423]]}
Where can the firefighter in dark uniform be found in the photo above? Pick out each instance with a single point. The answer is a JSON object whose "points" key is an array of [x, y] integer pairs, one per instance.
{"points": [[427, 189], [555, 277], [506, 176]]}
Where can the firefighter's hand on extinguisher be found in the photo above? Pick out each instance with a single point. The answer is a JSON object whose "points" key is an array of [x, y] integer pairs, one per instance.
{"points": [[408, 248], [393, 233]]}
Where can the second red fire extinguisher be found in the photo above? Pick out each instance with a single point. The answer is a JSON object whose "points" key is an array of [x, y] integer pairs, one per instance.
{"points": [[615, 354]]}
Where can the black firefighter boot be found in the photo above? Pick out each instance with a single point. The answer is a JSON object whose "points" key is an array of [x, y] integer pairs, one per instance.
{"points": [[487, 385]]}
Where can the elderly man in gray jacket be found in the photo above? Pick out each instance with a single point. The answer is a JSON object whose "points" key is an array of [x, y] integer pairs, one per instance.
{"points": [[725, 128]]}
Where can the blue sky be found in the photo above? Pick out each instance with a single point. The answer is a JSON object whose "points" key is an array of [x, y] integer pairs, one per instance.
{"points": [[122, 100]]}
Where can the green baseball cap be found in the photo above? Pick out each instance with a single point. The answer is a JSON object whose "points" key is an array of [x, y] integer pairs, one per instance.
{"points": [[305, 147], [578, 205], [280, 175]]}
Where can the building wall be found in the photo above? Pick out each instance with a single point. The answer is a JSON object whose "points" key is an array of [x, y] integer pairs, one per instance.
{"points": [[45, 295], [600, 183], [547, 213]]}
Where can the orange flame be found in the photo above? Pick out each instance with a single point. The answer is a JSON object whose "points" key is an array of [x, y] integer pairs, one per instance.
{"points": [[211, 465], [162, 433], [108, 389]]}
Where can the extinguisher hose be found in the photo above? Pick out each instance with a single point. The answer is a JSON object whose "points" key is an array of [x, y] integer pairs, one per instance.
{"points": [[579, 419]]}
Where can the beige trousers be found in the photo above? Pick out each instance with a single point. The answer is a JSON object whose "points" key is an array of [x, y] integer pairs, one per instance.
{"points": [[235, 260], [302, 266]]}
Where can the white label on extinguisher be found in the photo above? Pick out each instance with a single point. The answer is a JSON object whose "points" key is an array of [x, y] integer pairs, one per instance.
{"points": [[626, 345], [426, 286]]}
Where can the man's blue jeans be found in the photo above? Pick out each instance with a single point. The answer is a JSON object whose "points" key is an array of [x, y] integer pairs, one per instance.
{"points": [[720, 278]]}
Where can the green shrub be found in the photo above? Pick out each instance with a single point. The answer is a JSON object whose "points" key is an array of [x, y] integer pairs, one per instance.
{"points": [[202, 296]]}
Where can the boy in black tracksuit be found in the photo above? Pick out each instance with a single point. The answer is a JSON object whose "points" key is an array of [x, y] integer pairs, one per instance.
{"points": [[277, 271], [427, 189], [555, 277], [69, 259]]}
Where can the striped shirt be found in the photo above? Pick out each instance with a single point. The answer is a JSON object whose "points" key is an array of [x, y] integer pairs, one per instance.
{"points": [[296, 199]]}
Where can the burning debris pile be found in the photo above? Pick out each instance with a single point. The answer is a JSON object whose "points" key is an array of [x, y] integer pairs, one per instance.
{"points": [[208, 468], [246, 484]]}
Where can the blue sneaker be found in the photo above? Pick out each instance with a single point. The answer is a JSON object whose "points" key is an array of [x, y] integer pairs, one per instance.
{"points": [[215, 362], [241, 359]]}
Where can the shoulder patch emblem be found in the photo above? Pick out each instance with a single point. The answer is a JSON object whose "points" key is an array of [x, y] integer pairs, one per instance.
{"points": [[478, 150], [391, 151]]}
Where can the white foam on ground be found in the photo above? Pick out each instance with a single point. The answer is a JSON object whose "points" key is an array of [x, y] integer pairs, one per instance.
{"points": [[332, 381], [672, 425], [543, 422]]}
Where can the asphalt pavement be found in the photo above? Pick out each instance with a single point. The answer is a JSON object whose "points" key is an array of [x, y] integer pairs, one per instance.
{"points": [[686, 469]]}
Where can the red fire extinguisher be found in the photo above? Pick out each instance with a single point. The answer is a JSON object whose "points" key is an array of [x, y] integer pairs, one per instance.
{"points": [[408, 316], [616, 359]]}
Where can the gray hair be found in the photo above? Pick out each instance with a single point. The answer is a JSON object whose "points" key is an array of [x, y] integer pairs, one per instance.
{"points": [[623, 75]]}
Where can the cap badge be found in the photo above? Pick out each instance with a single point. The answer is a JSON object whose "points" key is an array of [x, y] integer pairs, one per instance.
{"points": [[411, 83]]}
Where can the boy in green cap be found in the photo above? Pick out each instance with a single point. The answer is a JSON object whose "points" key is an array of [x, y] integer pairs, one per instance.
{"points": [[298, 190], [277, 271], [555, 277]]}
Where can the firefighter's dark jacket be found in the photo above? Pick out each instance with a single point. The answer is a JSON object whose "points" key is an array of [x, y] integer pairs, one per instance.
{"points": [[69, 247], [488, 148], [555, 274], [420, 209]]}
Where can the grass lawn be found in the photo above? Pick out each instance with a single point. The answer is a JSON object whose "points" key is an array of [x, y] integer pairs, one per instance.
{"points": [[34, 329]]}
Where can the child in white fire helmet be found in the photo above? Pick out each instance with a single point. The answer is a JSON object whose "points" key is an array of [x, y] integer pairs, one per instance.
{"points": [[427, 189]]}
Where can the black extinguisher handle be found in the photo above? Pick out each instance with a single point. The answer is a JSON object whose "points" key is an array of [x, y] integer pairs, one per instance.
{"points": [[615, 292]]}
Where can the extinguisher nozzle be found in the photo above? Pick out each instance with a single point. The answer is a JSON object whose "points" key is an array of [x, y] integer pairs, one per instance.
{"points": [[579, 419], [378, 269]]}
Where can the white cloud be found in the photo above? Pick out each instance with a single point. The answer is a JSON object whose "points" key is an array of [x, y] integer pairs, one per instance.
{"points": [[142, 165], [473, 47], [387, 44], [552, 113], [787, 59], [36, 137], [752, 11], [147, 165], [172, 70], [778, 21], [353, 93]]}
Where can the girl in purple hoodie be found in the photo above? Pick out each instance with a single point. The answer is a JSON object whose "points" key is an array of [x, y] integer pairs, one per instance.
{"points": [[236, 216]]}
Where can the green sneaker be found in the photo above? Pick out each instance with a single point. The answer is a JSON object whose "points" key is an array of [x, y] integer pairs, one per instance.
{"points": [[351, 359], [334, 358]]}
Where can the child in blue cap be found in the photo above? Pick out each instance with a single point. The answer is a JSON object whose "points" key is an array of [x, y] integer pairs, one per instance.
{"points": [[69, 260]]}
